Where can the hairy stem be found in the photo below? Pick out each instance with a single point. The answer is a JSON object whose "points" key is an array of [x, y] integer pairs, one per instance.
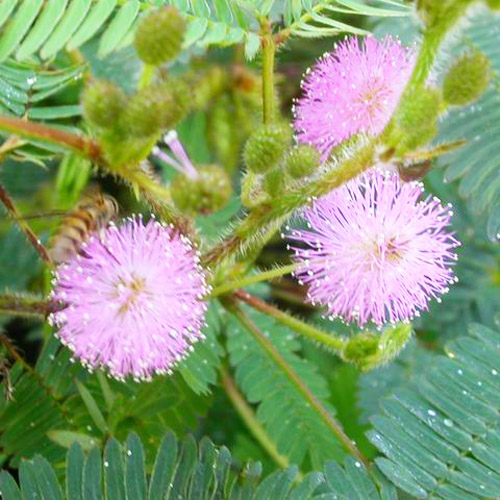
{"points": [[309, 331], [38, 131], [257, 278], [270, 216], [268, 52], [27, 306], [248, 416], [434, 35], [32, 237], [306, 393]]}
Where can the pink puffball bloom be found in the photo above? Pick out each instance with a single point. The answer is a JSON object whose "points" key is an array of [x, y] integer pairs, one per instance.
{"points": [[134, 300], [351, 90], [373, 251]]}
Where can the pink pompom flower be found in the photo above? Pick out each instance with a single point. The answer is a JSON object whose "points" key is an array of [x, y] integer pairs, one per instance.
{"points": [[373, 251], [351, 90], [134, 300]]}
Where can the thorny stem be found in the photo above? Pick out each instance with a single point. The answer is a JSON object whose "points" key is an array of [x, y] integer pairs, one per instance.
{"points": [[32, 237], [78, 143], [257, 278], [26, 306], [309, 331], [311, 399], [248, 416]]}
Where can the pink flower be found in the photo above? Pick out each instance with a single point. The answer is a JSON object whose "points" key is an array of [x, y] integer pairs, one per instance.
{"points": [[373, 251], [134, 300], [351, 90]]}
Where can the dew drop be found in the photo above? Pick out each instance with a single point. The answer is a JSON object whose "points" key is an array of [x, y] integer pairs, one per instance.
{"points": [[432, 413], [448, 422]]}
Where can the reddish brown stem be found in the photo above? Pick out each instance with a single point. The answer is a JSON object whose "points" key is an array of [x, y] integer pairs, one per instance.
{"points": [[32, 237], [26, 306], [34, 130]]}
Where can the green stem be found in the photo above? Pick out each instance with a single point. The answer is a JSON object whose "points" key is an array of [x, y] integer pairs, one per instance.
{"points": [[306, 393], [309, 331], [109, 397], [250, 280], [148, 72], [248, 416], [268, 52]]}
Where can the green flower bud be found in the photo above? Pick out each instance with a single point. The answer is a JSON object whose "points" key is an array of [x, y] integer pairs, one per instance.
{"points": [[266, 146], [207, 194], [360, 347], [210, 86], [273, 182], [422, 108], [103, 103], [157, 107], [158, 38], [467, 78], [302, 161]]}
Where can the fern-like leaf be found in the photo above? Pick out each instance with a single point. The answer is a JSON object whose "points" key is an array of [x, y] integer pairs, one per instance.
{"points": [[282, 408], [184, 470], [440, 434]]}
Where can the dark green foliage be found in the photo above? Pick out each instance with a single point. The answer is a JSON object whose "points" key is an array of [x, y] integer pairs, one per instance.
{"points": [[185, 470], [159, 36]]}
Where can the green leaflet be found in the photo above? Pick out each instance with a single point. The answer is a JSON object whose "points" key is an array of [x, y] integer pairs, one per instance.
{"points": [[197, 471], [282, 409], [440, 434]]}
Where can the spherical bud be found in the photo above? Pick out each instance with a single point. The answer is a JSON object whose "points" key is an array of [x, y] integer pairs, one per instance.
{"points": [[158, 38], [266, 146], [179, 103], [157, 107], [419, 109], [103, 103], [302, 161], [203, 195], [467, 78], [273, 182]]}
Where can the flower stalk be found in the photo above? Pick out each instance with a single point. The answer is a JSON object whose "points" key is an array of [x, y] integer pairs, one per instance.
{"points": [[268, 53], [312, 333], [306, 393], [250, 280], [248, 416]]}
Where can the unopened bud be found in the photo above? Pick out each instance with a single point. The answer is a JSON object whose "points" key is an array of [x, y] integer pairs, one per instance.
{"points": [[467, 78], [359, 347], [273, 182], [203, 195], [419, 110], [266, 146], [103, 103], [302, 161], [159, 36]]}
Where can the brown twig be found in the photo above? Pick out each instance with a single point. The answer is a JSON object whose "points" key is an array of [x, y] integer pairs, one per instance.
{"points": [[32, 237], [34, 130]]}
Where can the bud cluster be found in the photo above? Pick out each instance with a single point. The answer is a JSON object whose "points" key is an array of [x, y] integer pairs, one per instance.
{"points": [[268, 153]]}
